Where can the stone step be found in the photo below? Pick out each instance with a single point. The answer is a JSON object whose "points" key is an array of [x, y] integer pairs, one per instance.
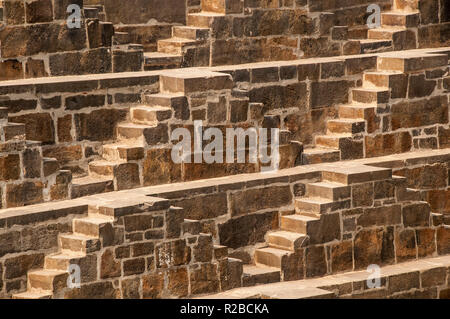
{"points": [[79, 243], [352, 126], [272, 257], [382, 79], [320, 155], [203, 19], [257, 275], [170, 100], [296, 223], [50, 280], [285, 240], [149, 115], [13, 131], [370, 95], [91, 226], [159, 60], [328, 190], [89, 185], [385, 33], [175, 46], [123, 152], [223, 6], [34, 294], [332, 140], [400, 18], [193, 80], [191, 33], [103, 168], [121, 38], [356, 111], [375, 46], [137, 132], [315, 206], [356, 174], [410, 62], [62, 261]]}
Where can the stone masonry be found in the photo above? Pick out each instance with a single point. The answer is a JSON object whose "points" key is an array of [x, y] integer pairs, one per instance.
{"points": [[92, 204]]}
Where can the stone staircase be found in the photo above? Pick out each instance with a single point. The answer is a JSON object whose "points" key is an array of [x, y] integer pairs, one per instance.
{"points": [[147, 127], [277, 261], [190, 44], [395, 33], [344, 139], [80, 247]]}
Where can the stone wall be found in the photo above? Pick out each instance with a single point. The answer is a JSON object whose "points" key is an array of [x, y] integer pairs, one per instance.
{"points": [[145, 247], [36, 41]]}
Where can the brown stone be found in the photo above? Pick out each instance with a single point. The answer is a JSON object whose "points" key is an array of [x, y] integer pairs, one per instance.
{"points": [[153, 285], [315, 261], [405, 244], [204, 278], [178, 282], [109, 267], [342, 256]]}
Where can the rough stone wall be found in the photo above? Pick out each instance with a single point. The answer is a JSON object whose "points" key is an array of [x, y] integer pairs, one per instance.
{"points": [[151, 249], [140, 254], [35, 42]]}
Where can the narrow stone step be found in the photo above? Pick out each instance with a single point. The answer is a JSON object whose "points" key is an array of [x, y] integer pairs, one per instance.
{"points": [[352, 126], [375, 46], [382, 79], [332, 140], [356, 174], [202, 19], [357, 111], [103, 168], [319, 205], [410, 62], [123, 152], [320, 155], [384, 33], [258, 275], [272, 257], [400, 18], [149, 115], [160, 60], [132, 131], [328, 190], [296, 223], [50, 280], [85, 186], [79, 243], [370, 95], [34, 294], [175, 46], [191, 33], [62, 261], [285, 240], [223, 6], [91, 226], [193, 80]]}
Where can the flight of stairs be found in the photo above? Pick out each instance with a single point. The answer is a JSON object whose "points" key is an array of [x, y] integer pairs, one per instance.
{"points": [[332, 193], [344, 139], [89, 234], [395, 33], [190, 44], [147, 127]]}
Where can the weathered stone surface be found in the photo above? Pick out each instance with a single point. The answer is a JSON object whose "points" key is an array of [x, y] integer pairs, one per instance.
{"points": [[257, 199], [247, 230]]}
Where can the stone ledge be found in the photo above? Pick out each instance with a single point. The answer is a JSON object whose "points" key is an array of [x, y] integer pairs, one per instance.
{"points": [[317, 288]]}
